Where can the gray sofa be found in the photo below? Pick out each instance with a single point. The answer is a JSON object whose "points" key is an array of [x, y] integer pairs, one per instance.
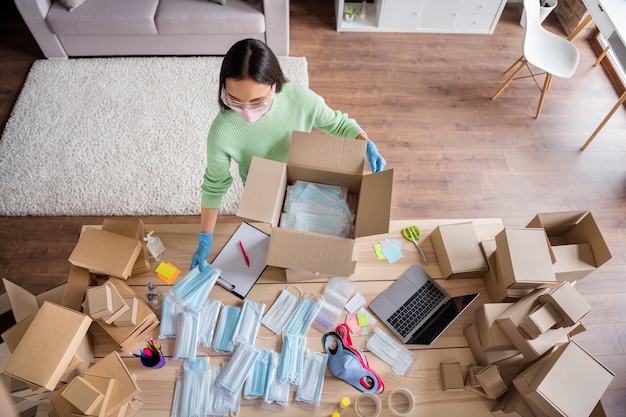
{"points": [[154, 27]]}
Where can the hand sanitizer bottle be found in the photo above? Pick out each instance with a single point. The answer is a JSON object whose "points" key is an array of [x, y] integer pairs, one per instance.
{"points": [[154, 246]]}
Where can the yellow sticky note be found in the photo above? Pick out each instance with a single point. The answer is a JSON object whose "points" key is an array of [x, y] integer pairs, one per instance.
{"points": [[167, 272], [378, 248]]}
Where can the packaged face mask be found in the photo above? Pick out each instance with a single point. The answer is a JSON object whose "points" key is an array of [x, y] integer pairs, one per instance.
{"points": [[249, 322], [256, 383], [237, 369], [223, 340], [291, 358], [350, 364], [278, 314], [313, 370], [303, 315]]}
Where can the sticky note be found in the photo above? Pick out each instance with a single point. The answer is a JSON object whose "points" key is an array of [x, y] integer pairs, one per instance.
{"points": [[167, 272], [378, 249], [392, 249], [362, 320]]}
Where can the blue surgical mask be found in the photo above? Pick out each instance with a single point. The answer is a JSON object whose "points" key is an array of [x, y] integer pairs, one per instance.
{"points": [[237, 369], [291, 358], [249, 322], [303, 315], [223, 340], [276, 392], [278, 314], [314, 367], [256, 383]]}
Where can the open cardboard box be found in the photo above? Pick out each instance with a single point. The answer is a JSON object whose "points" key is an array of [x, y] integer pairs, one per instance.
{"points": [[491, 335], [324, 159], [576, 242], [511, 319]]}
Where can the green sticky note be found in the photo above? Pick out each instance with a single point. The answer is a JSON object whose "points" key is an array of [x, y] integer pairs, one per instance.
{"points": [[378, 248], [362, 319]]}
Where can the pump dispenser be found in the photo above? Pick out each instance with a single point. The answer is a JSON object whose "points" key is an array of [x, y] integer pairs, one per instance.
{"points": [[154, 246]]}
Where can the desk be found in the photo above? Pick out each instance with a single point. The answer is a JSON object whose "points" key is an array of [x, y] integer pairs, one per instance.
{"points": [[371, 277], [609, 17]]}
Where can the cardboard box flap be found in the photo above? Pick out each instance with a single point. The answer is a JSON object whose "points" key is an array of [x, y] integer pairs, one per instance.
{"points": [[374, 205], [327, 254], [262, 197], [23, 303], [588, 230], [331, 153]]}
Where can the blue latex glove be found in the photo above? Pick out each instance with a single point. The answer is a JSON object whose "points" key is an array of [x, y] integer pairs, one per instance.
{"points": [[205, 241], [377, 162]]}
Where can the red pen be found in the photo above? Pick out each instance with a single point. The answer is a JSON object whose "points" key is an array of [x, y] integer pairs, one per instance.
{"points": [[245, 255]]}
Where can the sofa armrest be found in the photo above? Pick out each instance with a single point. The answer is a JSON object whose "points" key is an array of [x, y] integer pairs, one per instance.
{"points": [[277, 25], [34, 13]]}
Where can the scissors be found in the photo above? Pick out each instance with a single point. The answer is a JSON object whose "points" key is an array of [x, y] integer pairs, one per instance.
{"points": [[412, 234]]}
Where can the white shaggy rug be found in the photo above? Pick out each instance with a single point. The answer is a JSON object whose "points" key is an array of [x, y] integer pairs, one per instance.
{"points": [[115, 136]]}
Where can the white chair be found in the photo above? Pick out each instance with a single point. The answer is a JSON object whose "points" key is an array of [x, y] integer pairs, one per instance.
{"points": [[549, 52]]}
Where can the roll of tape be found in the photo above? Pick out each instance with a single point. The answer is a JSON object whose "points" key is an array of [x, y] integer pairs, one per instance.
{"points": [[409, 398], [367, 412]]}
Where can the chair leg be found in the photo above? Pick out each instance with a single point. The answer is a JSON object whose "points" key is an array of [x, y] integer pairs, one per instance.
{"points": [[514, 64], [619, 103], [510, 79], [601, 56], [546, 87]]}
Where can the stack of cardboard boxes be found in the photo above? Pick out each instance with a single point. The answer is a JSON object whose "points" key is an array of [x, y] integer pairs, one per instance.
{"points": [[521, 341], [49, 348]]}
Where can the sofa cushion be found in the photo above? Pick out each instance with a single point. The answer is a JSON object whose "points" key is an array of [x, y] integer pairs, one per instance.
{"points": [[104, 17], [176, 17], [72, 4]]}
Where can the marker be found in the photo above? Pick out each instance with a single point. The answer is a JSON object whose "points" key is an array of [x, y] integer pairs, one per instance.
{"points": [[245, 256]]}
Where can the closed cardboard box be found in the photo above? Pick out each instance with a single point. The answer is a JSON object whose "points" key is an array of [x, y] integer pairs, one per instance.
{"points": [[542, 318], [105, 253], [60, 331], [568, 302], [570, 383], [491, 335], [523, 258], [497, 290], [458, 251]]}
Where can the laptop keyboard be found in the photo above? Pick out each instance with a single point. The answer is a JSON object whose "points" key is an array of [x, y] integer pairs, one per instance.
{"points": [[416, 308]]}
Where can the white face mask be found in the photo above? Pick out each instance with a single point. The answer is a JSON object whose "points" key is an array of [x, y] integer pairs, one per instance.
{"points": [[253, 114]]}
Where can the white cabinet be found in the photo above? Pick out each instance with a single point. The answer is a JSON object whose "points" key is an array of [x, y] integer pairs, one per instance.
{"points": [[435, 16]]}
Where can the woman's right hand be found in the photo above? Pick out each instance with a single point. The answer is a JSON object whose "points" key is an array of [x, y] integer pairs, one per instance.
{"points": [[205, 241]]}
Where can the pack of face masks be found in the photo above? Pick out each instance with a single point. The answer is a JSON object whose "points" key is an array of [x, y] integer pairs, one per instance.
{"points": [[318, 208], [249, 322], [225, 331], [279, 313], [393, 353], [291, 358], [336, 293], [314, 367], [193, 289], [303, 315], [276, 391], [207, 321], [187, 338]]}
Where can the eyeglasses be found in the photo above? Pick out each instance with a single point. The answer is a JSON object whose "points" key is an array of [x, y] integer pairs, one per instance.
{"points": [[257, 105]]}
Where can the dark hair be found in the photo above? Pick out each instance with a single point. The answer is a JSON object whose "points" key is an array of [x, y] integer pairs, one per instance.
{"points": [[250, 58]]}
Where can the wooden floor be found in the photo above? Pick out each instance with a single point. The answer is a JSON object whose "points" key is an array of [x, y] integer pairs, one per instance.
{"points": [[425, 100]]}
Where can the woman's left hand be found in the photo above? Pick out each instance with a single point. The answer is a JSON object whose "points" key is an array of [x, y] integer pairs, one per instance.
{"points": [[375, 159]]}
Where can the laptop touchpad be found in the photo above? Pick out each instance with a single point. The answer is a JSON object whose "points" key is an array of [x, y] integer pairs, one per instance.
{"points": [[402, 289]]}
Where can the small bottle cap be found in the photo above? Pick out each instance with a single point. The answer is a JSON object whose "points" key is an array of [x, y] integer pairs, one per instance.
{"points": [[335, 414], [345, 401]]}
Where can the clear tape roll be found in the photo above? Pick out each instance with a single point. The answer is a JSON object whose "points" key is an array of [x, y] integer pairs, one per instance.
{"points": [[409, 397], [367, 396]]}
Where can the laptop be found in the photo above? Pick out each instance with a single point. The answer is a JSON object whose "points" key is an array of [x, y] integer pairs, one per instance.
{"points": [[416, 309]]}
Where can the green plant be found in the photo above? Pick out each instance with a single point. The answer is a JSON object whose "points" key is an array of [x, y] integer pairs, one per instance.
{"points": [[349, 10]]}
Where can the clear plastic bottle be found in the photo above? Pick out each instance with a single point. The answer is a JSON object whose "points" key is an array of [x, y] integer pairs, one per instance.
{"points": [[154, 296], [154, 246]]}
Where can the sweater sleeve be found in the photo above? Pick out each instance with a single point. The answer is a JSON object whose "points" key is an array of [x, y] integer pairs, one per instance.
{"points": [[217, 178], [334, 122]]}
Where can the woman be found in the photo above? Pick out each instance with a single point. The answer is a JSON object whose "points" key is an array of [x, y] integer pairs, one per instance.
{"points": [[259, 110]]}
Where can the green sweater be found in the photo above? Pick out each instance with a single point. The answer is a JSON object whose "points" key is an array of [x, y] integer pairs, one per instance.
{"points": [[230, 137]]}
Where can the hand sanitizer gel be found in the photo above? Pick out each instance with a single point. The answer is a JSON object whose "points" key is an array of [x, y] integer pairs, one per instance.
{"points": [[154, 246]]}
